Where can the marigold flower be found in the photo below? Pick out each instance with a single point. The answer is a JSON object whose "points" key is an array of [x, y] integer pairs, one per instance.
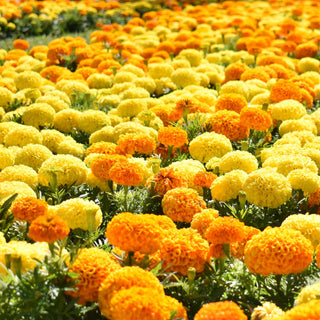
{"points": [[221, 310], [21, 44], [102, 147], [202, 220], [306, 50], [309, 293], [122, 279], [92, 265], [182, 249], [209, 145], [234, 71], [314, 198], [136, 143], [125, 173], [172, 136], [267, 188], [228, 123], [181, 204], [238, 160], [48, 228], [231, 101], [165, 180], [285, 90], [304, 179], [204, 179], [255, 73], [267, 252], [288, 109], [255, 118], [29, 208], [132, 232], [267, 310]]}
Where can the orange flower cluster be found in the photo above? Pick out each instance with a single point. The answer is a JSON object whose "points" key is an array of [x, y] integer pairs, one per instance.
{"points": [[172, 137], [256, 118], [102, 147], [278, 251], [181, 204], [48, 228], [134, 232], [202, 220], [131, 143], [92, 265], [125, 173], [29, 208], [204, 179], [231, 101]]}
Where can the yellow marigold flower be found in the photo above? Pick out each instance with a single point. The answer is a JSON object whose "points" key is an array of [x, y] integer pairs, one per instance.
{"points": [[304, 136], [145, 83], [95, 182], [32, 155], [28, 254], [184, 77], [6, 158], [165, 180], [6, 127], [306, 224], [287, 109], [28, 79], [192, 55], [235, 87], [125, 173], [2, 238], [172, 136], [223, 230], [122, 279], [20, 173], [51, 138], [304, 179], [29, 208], [67, 168], [100, 166], [22, 135], [202, 220], [90, 121], [143, 168], [231, 101], [131, 107], [209, 145], [55, 102], [265, 311], [237, 248], [309, 293], [132, 232], [284, 164], [255, 118], [182, 249], [93, 266], [267, 252], [135, 93], [6, 97], [99, 81], [160, 70], [38, 114], [48, 228], [297, 125], [241, 160], [70, 146], [71, 86], [79, 213], [149, 119], [267, 188], [144, 303], [222, 310], [135, 143], [228, 123], [308, 64], [9, 188], [67, 119], [228, 186], [181, 204]]}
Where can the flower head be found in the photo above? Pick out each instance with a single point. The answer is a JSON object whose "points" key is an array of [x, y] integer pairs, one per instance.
{"points": [[238, 160], [268, 252], [136, 143], [231, 101], [125, 173], [309, 293], [172, 136], [204, 179], [102, 147], [255, 118]]}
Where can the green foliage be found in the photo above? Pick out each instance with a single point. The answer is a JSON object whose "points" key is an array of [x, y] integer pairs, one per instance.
{"points": [[6, 217]]}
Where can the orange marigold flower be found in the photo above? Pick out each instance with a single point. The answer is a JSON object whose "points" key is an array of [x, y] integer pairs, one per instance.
{"points": [[268, 252], [255, 118], [224, 230], [102, 147], [100, 166], [228, 123], [288, 46], [306, 50], [21, 44], [305, 311], [166, 180], [134, 232], [131, 143], [57, 51], [29, 208], [181, 204], [237, 248], [202, 220], [222, 310], [53, 73], [306, 98], [285, 90], [172, 136], [182, 249], [92, 265], [122, 279], [204, 179], [231, 101], [48, 228], [255, 73], [234, 71], [271, 59], [314, 198], [126, 173], [216, 251], [281, 71]]}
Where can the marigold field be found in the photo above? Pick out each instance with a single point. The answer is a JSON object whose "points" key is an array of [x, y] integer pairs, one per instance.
{"points": [[160, 160]]}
